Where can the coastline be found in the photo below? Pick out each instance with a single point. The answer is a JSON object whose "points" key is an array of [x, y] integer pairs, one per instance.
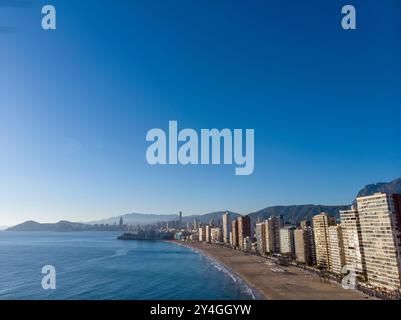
{"points": [[272, 282], [254, 292]]}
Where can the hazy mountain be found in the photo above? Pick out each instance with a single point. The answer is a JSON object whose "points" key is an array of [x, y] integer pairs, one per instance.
{"points": [[389, 187], [292, 214], [205, 218], [61, 226], [137, 218], [295, 213]]}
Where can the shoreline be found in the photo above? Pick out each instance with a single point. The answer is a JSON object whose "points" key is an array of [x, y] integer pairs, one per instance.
{"points": [[269, 281], [254, 292]]}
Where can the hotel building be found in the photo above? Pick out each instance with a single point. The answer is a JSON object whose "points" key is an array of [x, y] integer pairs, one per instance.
{"points": [[216, 235], [380, 217], [244, 229], [208, 233], [272, 231], [287, 243], [260, 232], [304, 245], [202, 234], [321, 223], [234, 233], [336, 249], [226, 227], [352, 240]]}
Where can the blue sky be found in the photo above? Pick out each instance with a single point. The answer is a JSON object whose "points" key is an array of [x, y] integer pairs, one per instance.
{"points": [[76, 103]]}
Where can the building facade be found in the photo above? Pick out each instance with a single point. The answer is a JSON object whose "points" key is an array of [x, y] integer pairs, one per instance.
{"points": [[352, 240], [244, 229], [304, 245], [287, 243], [226, 227], [321, 223], [379, 216], [260, 233], [336, 249]]}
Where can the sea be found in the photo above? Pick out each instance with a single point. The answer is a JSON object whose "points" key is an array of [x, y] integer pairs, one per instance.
{"points": [[97, 266]]}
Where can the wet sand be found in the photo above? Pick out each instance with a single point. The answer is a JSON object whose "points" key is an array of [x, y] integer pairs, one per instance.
{"points": [[275, 282]]}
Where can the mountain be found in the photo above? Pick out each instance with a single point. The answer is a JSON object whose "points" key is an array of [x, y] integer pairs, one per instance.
{"points": [[137, 218], [205, 218], [389, 187], [296, 213], [61, 226]]}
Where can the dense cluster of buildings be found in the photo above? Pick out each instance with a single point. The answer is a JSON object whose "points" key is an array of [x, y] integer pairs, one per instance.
{"points": [[365, 241]]}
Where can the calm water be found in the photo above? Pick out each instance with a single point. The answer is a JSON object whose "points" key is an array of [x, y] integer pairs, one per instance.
{"points": [[94, 265]]}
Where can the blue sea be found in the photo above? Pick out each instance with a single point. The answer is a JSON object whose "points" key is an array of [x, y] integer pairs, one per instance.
{"points": [[95, 265]]}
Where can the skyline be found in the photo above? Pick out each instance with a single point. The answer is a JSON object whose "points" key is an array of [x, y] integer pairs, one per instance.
{"points": [[76, 104]]}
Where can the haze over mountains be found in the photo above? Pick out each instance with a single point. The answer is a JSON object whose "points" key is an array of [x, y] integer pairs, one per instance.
{"points": [[291, 213]]}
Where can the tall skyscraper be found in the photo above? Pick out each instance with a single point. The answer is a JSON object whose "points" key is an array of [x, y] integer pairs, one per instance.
{"points": [[202, 234], [216, 234], [304, 245], [352, 239], [260, 232], [287, 243], [180, 221], [272, 230], [321, 223], [208, 233], [336, 249], [234, 233], [226, 227], [379, 216], [244, 229]]}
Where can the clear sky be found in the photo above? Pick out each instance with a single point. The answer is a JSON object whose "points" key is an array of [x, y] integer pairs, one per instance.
{"points": [[76, 103]]}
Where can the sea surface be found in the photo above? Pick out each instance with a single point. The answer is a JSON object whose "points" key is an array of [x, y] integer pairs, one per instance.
{"points": [[95, 265]]}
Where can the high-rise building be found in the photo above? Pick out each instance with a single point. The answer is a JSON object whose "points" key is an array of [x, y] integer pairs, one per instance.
{"points": [[180, 221], [216, 235], [247, 245], [234, 233], [260, 232], [379, 216], [352, 239], [208, 233], [336, 249], [287, 244], [226, 228], [321, 223], [244, 229], [304, 245], [202, 234], [272, 230]]}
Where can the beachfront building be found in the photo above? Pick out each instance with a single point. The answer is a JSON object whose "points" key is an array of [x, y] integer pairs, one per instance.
{"points": [[208, 233], [287, 244], [352, 240], [226, 227], [380, 218], [260, 233], [234, 233], [304, 245], [216, 234], [202, 234], [272, 231], [244, 230], [247, 245], [336, 249], [321, 223]]}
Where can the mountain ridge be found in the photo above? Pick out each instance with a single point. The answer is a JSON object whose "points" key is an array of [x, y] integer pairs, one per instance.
{"points": [[291, 213]]}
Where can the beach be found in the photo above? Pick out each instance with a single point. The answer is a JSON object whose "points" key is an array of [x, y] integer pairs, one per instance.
{"points": [[272, 281]]}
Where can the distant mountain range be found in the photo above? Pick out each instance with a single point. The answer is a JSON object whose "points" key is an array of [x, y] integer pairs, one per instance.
{"points": [[292, 213]]}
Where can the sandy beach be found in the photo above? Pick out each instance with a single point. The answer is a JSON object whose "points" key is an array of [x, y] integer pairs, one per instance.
{"points": [[275, 282]]}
